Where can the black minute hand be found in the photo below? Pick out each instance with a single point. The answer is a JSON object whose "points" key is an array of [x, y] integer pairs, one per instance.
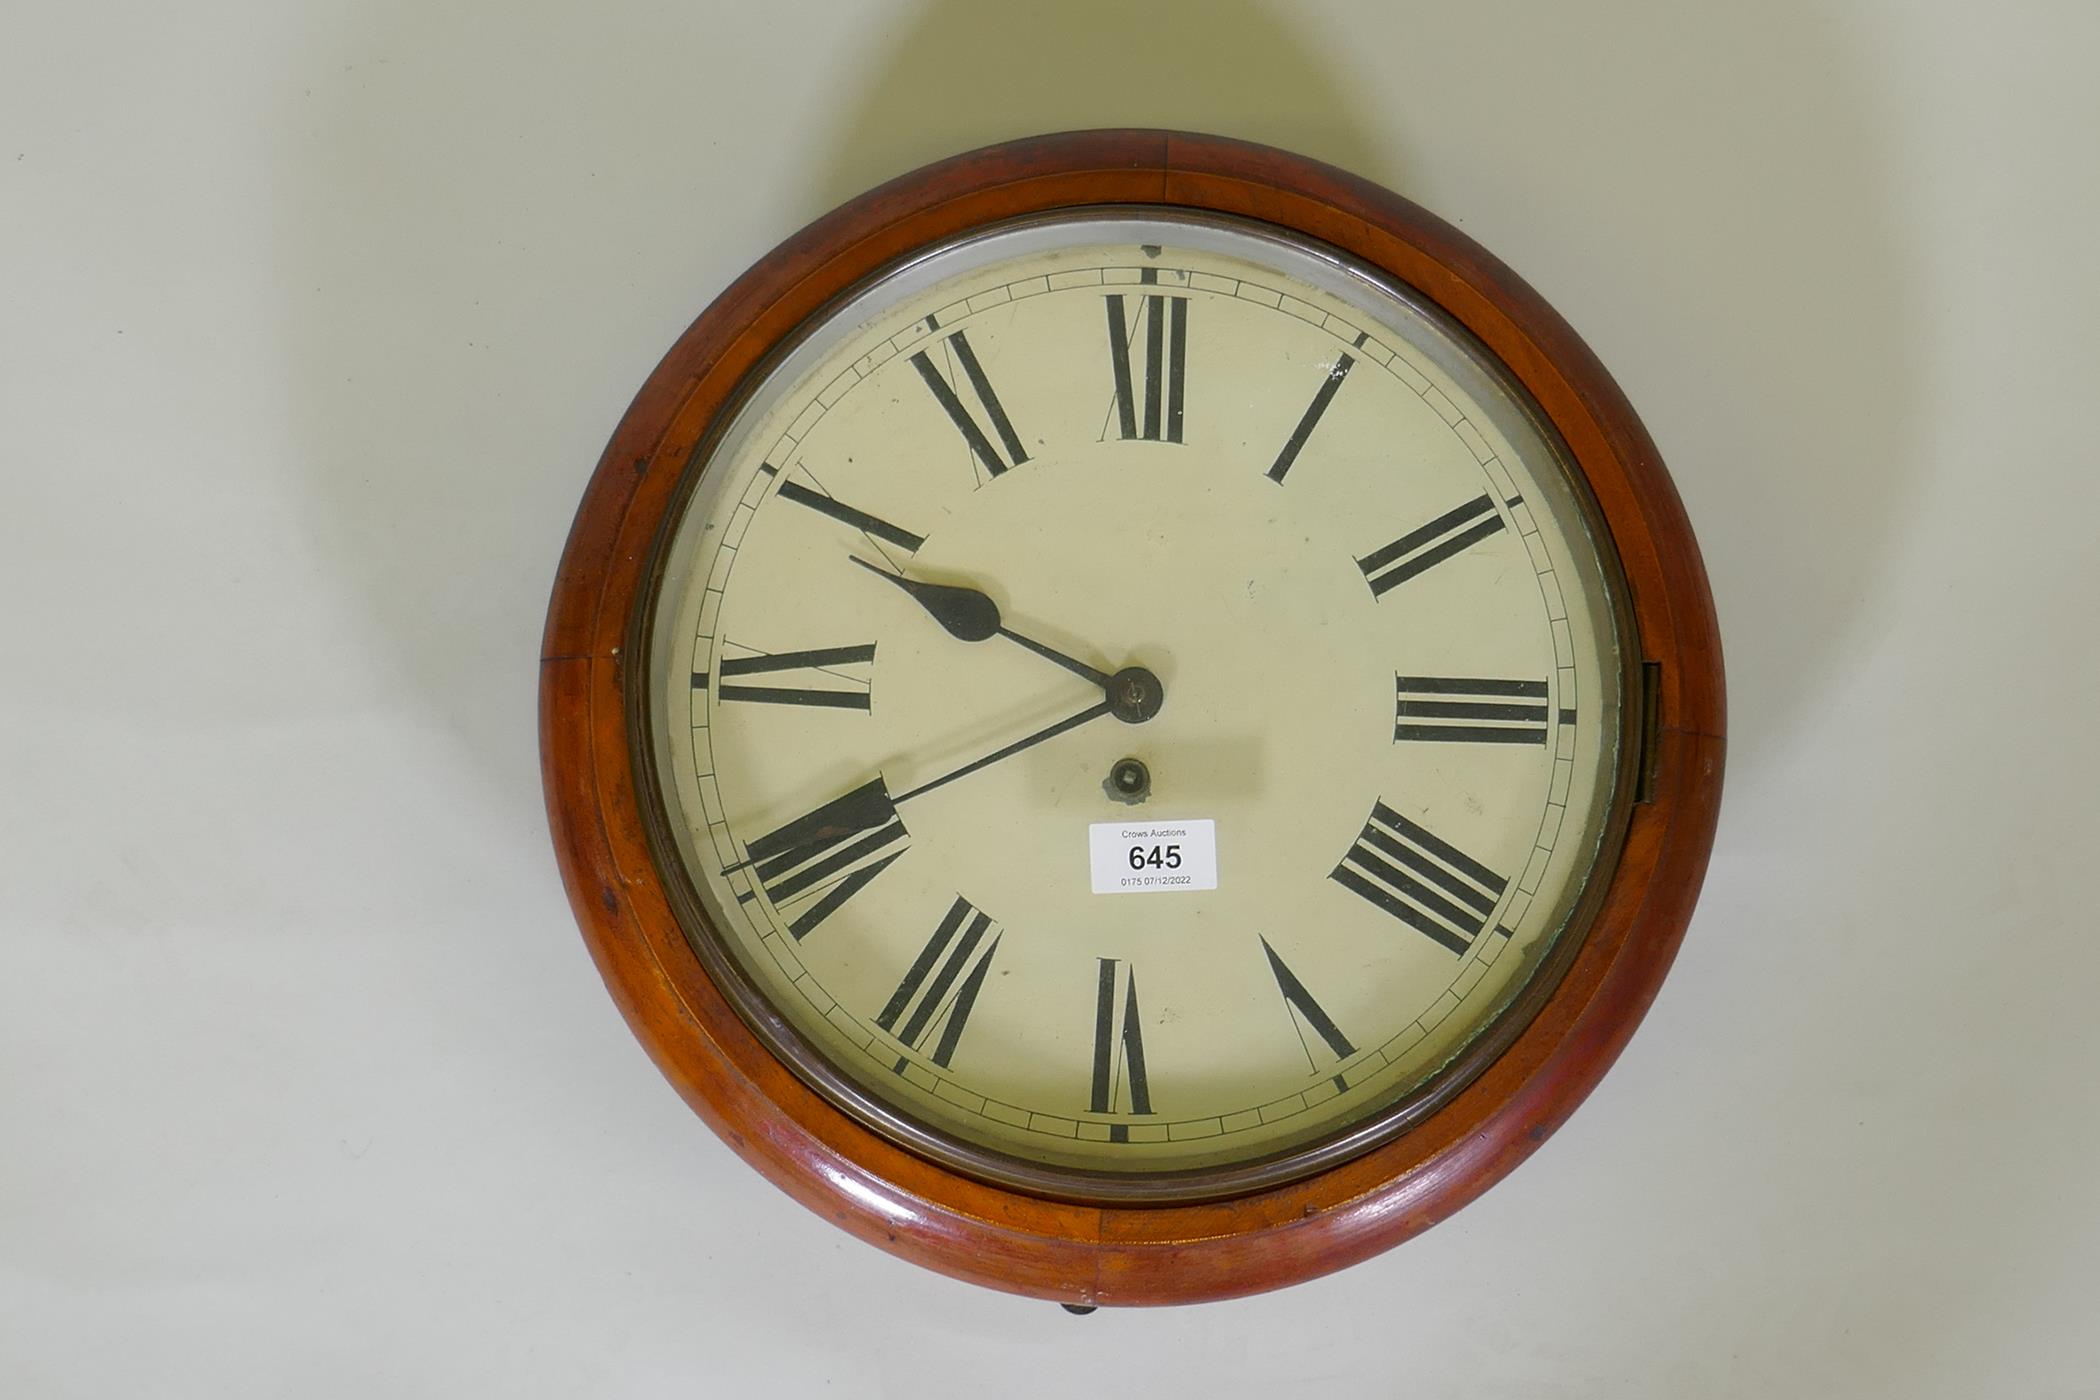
{"points": [[970, 615], [1092, 712]]}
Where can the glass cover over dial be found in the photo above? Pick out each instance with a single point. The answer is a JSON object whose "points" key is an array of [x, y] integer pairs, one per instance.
{"points": [[1136, 705]]}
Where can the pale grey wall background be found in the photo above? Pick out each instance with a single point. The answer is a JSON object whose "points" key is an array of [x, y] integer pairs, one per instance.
{"points": [[313, 319]]}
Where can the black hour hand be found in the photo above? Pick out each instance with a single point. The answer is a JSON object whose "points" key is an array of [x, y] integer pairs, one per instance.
{"points": [[972, 616], [969, 616]]}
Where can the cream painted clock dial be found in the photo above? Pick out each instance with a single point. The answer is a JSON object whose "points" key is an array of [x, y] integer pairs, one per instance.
{"points": [[1138, 702]]}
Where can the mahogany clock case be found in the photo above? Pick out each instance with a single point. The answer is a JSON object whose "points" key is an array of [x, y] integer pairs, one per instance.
{"points": [[1156, 1251]]}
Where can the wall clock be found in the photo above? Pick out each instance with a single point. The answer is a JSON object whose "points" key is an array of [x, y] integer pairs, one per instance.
{"points": [[1132, 718]]}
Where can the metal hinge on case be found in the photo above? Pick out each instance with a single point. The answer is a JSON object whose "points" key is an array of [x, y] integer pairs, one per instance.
{"points": [[1651, 729]]}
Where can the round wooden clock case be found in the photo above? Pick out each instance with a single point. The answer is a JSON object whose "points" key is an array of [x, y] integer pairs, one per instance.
{"points": [[1157, 1248]]}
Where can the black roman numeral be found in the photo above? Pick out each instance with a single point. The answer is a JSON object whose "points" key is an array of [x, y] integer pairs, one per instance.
{"points": [[1166, 325], [820, 659], [1431, 545], [824, 851], [923, 996], [1328, 388], [860, 520], [1448, 710], [951, 403], [1302, 1002], [1119, 1048], [1423, 881]]}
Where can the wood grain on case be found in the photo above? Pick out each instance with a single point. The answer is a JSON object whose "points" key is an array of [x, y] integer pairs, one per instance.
{"points": [[1001, 1238]]}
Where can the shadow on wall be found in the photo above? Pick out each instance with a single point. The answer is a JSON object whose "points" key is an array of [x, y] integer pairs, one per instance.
{"points": [[489, 231], [963, 73]]}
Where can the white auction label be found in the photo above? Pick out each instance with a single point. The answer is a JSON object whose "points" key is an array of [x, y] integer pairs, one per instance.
{"points": [[1153, 857]]}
